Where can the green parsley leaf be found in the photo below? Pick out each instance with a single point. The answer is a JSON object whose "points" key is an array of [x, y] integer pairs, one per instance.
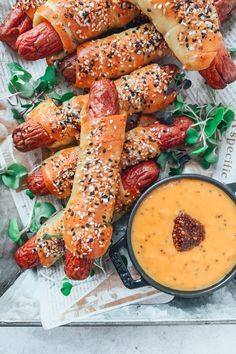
{"points": [[174, 171], [13, 231], [179, 103], [47, 237], [67, 96], [162, 159], [205, 164], [211, 156], [12, 176], [92, 273], [232, 50], [179, 77], [42, 212], [66, 288], [18, 71], [29, 194], [18, 169], [17, 116], [47, 81], [192, 136], [228, 117], [199, 150], [20, 81], [212, 124], [26, 89], [61, 98]]}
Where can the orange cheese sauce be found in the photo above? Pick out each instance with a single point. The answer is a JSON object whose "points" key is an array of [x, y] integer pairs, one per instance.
{"points": [[151, 235]]}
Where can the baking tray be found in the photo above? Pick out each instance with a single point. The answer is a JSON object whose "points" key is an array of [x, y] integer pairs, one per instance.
{"points": [[218, 308]]}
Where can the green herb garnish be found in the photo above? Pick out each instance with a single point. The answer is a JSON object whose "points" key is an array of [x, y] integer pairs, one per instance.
{"points": [[41, 212], [22, 85], [47, 81], [66, 287], [232, 50], [14, 232], [210, 122], [61, 98], [174, 159], [29, 194], [202, 139], [92, 273], [12, 175], [179, 83]]}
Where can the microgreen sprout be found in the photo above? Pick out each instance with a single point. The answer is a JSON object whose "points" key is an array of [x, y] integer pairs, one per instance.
{"points": [[40, 213], [209, 124]]}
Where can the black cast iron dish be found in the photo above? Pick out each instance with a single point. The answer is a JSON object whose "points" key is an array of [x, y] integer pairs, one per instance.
{"points": [[125, 242]]}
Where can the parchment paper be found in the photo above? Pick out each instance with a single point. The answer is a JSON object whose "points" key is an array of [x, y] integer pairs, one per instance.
{"points": [[37, 295]]}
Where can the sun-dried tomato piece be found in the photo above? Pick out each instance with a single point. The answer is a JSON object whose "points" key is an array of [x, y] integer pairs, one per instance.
{"points": [[187, 233]]}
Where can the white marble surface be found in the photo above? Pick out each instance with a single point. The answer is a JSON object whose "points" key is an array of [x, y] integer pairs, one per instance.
{"points": [[203, 339]]}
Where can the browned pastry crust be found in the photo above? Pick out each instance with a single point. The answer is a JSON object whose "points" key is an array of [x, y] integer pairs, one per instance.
{"points": [[64, 27], [190, 28], [143, 90], [118, 54], [90, 209], [56, 174], [46, 252]]}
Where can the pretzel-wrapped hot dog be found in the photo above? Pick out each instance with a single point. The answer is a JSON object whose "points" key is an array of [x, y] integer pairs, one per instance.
{"points": [[47, 246], [190, 28], [88, 215], [118, 54], [56, 174], [19, 21], [42, 248], [72, 23], [143, 90]]}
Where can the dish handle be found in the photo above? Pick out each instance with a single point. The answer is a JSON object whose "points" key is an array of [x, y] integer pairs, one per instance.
{"points": [[121, 268], [232, 186]]}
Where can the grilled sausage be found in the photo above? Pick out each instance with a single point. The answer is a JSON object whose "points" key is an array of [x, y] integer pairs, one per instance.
{"points": [[16, 23], [222, 70], [42, 39]]}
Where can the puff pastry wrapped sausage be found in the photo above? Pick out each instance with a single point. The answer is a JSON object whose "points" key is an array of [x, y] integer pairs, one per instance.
{"points": [[90, 209], [118, 54], [47, 250], [19, 21], [56, 174], [143, 90], [72, 23], [190, 28], [122, 53]]}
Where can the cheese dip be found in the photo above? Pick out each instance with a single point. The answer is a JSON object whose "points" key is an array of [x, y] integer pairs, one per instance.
{"points": [[184, 234]]}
